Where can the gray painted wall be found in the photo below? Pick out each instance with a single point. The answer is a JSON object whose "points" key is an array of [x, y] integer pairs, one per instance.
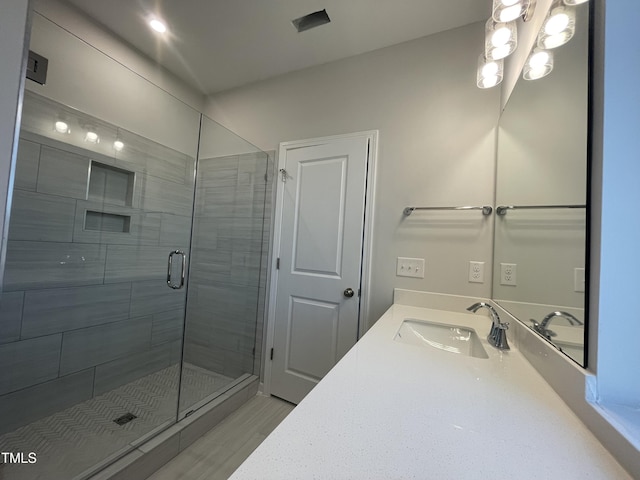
{"points": [[437, 147]]}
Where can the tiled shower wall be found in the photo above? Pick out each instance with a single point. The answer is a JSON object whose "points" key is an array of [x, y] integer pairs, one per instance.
{"points": [[84, 311], [227, 283]]}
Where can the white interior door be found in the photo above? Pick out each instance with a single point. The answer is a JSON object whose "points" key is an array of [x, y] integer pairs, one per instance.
{"points": [[320, 256]]}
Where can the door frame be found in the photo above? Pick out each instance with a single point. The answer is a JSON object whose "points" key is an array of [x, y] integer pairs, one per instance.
{"points": [[367, 237]]}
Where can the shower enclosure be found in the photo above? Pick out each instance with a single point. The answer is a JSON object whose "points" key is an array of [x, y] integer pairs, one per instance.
{"points": [[134, 285]]}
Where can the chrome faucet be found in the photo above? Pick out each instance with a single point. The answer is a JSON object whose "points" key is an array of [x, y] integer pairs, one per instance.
{"points": [[542, 327], [498, 335]]}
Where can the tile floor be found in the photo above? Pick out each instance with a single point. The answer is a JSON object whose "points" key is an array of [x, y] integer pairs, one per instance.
{"points": [[217, 454], [73, 440]]}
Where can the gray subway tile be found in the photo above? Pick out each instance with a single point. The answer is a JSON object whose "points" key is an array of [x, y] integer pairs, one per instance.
{"points": [[136, 263], [34, 265], [29, 362], [62, 309], [167, 326], [39, 217], [175, 230], [92, 346], [218, 172], [63, 173], [10, 316], [126, 369], [163, 196], [27, 405], [155, 297], [27, 165]]}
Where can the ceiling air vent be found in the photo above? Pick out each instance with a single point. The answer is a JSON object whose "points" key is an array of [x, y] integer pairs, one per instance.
{"points": [[310, 21]]}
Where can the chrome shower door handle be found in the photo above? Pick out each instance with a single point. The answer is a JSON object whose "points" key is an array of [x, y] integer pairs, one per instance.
{"points": [[170, 284]]}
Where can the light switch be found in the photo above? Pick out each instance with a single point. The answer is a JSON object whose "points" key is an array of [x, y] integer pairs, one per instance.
{"points": [[410, 267]]}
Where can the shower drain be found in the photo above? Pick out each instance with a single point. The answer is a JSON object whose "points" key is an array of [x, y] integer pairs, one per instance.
{"points": [[126, 418]]}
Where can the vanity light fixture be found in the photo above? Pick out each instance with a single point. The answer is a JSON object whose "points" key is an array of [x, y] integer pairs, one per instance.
{"points": [[118, 145], [508, 10], [62, 127], [490, 72], [539, 64], [158, 25], [559, 26], [500, 40]]}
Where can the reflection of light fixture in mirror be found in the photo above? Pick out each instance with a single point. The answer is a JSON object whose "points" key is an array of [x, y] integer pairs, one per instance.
{"points": [[507, 10], [91, 136], [158, 25], [501, 39], [558, 28], [539, 64], [574, 2], [490, 72], [62, 127], [118, 145]]}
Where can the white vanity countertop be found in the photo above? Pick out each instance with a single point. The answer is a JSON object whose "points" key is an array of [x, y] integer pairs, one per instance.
{"points": [[389, 410]]}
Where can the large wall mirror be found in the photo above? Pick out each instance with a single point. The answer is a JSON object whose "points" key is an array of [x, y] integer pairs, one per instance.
{"points": [[541, 198]]}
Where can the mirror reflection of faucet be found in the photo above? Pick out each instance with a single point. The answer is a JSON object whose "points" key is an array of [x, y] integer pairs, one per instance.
{"points": [[542, 327], [498, 335]]}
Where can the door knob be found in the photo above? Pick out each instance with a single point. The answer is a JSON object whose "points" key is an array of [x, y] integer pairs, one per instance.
{"points": [[348, 292]]}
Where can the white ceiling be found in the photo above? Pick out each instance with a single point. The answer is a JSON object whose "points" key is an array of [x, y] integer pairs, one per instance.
{"points": [[215, 45]]}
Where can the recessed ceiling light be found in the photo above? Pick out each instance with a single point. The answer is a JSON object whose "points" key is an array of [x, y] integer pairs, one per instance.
{"points": [[158, 26], [118, 145], [61, 127]]}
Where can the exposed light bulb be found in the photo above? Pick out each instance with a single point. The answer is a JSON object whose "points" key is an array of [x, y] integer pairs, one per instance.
{"points": [[118, 145], [500, 37], [510, 13], [157, 25], [92, 137], [539, 64], [538, 59], [508, 10], [489, 73], [558, 28], [490, 70], [556, 23], [61, 127]]}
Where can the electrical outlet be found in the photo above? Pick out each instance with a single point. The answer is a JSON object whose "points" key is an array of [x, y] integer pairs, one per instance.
{"points": [[476, 272], [508, 274], [578, 279], [410, 267]]}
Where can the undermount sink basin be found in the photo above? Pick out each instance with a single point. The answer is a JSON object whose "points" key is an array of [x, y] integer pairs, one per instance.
{"points": [[450, 338]]}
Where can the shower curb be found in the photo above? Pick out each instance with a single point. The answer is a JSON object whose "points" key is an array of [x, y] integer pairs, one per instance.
{"points": [[144, 460]]}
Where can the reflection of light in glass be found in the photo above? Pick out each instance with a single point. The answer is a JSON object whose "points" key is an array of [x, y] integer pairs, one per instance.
{"points": [[574, 2], [158, 26], [489, 72], [558, 28], [118, 145], [92, 137], [539, 64], [61, 127], [508, 10]]}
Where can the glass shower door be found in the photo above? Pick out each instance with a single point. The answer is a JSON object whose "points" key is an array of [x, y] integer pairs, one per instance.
{"points": [[227, 270], [90, 332]]}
